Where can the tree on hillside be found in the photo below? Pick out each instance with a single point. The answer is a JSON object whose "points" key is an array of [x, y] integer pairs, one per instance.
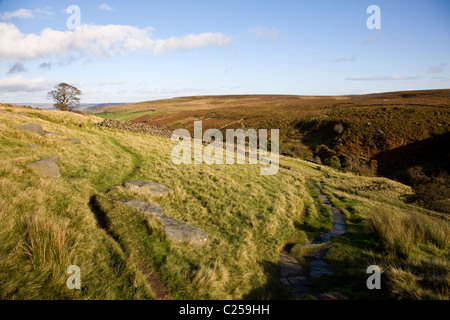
{"points": [[65, 96]]}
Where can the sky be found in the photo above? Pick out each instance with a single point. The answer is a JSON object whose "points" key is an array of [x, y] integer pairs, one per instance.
{"points": [[131, 51]]}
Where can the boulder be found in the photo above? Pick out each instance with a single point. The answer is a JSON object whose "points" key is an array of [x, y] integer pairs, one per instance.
{"points": [[31, 127], [32, 145], [48, 167], [175, 230], [74, 140], [148, 187]]}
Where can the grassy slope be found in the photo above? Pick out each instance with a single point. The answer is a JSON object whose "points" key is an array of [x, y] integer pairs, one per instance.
{"points": [[373, 124], [47, 224]]}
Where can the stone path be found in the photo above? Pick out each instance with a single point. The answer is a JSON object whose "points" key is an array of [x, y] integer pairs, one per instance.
{"points": [[291, 273], [292, 276]]}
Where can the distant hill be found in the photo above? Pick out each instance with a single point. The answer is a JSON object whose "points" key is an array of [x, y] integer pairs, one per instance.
{"points": [[371, 125]]}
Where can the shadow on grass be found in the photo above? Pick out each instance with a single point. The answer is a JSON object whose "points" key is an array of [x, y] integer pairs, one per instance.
{"points": [[102, 218], [273, 289]]}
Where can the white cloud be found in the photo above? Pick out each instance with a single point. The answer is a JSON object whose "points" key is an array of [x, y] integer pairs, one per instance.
{"points": [[382, 78], [21, 13], [19, 84], [96, 40], [26, 14], [43, 13], [191, 41], [263, 32], [106, 7]]}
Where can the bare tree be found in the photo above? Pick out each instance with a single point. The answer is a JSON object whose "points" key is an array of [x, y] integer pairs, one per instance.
{"points": [[65, 96]]}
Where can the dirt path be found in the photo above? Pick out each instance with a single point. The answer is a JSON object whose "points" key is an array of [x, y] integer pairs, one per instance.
{"points": [[153, 280], [292, 274]]}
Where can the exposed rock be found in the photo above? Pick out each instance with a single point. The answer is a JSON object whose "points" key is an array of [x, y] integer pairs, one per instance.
{"points": [[32, 145], [31, 127], [148, 187], [175, 230], [134, 127], [290, 269], [319, 269], [288, 259], [74, 140], [2, 111], [48, 167]]}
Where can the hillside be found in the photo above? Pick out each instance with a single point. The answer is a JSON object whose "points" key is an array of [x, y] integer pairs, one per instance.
{"points": [[373, 127], [252, 221]]}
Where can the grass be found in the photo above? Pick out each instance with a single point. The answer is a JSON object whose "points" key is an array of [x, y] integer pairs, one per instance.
{"points": [[48, 224]]}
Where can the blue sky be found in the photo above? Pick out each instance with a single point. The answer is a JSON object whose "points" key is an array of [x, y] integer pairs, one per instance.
{"points": [[126, 51]]}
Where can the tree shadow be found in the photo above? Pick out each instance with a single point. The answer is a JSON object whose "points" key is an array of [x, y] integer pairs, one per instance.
{"points": [[102, 218], [273, 289]]}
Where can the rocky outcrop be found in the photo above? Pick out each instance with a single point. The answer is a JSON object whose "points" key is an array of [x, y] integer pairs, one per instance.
{"points": [[48, 167], [31, 127], [134, 127], [36, 128], [148, 187], [175, 230]]}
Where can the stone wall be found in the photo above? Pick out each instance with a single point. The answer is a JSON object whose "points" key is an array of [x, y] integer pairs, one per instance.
{"points": [[134, 127]]}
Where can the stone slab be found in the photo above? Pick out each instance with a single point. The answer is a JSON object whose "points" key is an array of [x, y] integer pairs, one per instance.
{"points": [[31, 127], [148, 187], [48, 167], [175, 230]]}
